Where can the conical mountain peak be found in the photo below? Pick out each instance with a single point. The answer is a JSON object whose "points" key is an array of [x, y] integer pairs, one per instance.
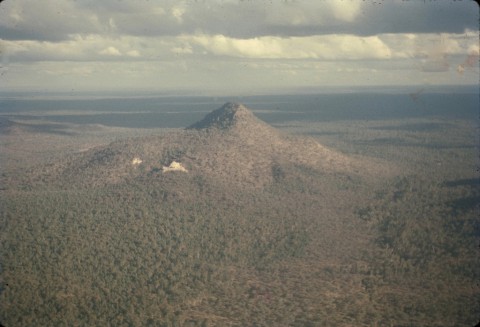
{"points": [[229, 115], [230, 146]]}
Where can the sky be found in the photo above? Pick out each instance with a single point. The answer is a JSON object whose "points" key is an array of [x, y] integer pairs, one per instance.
{"points": [[222, 47]]}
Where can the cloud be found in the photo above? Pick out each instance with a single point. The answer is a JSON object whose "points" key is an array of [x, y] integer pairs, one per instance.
{"points": [[255, 43], [346, 11], [471, 60], [184, 48], [45, 20], [327, 47], [133, 53], [309, 13], [178, 12], [429, 45], [443, 16], [436, 64], [81, 48], [420, 47], [110, 51], [57, 20]]}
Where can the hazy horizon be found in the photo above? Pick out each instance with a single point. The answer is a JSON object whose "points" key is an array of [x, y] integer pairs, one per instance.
{"points": [[145, 94]]}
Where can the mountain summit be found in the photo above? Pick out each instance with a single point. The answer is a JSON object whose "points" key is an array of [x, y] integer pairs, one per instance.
{"points": [[230, 146], [229, 115]]}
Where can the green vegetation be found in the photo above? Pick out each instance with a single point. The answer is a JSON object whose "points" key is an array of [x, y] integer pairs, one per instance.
{"points": [[85, 256], [312, 248]]}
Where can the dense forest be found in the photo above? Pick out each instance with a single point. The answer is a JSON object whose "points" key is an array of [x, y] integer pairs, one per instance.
{"points": [[309, 248]]}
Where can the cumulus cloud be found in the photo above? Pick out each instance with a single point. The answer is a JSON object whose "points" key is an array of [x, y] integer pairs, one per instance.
{"points": [[422, 47], [327, 47]]}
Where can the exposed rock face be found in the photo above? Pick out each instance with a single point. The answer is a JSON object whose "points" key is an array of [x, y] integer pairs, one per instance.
{"points": [[174, 166]]}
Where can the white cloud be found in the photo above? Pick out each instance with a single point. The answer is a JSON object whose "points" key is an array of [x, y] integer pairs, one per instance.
{"points": [[94, 47], [183, 49], [473, 49], [311, 13], [325, 47], [429, 45], [346, 10], [133, 53], [178, 12], [110, 51], [88, 48]]}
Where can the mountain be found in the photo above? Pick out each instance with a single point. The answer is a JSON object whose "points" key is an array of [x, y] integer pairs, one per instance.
{"points": [[231, 116], [230, 147]]}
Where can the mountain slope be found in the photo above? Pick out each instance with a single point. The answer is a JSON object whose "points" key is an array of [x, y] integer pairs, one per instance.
{"points": [[230, 146]]}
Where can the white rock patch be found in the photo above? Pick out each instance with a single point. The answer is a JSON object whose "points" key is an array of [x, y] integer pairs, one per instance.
{"points": [[174, 166], [136, 161]]}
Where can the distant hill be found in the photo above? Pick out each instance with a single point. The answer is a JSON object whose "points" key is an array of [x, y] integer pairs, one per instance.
{"points": [[7, 126], [230, 146], [12, 127]]}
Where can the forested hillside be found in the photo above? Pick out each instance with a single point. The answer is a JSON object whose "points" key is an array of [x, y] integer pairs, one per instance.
{"points": [[260, 229]]}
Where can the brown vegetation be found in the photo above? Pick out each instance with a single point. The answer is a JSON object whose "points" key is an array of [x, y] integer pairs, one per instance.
{"points": [[264, 229]]}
